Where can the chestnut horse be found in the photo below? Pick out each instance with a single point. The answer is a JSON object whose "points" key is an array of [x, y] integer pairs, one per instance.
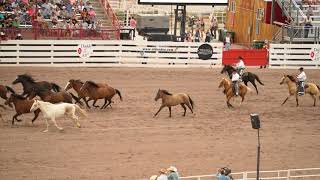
{"points": [[169, 100], [4, 91], [22, 106], [54, 97], [29, 84], [97, 91], [76, 85], [310, 88], [227, 85]]}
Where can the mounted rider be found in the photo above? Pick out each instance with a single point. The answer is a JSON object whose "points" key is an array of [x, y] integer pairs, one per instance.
{"points": [[240, 66], [235, 82], [302, 77]]}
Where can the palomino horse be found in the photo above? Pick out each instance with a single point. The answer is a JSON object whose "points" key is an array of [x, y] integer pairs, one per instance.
{"points": [[76, 85], [54, 97], [54, 111], [4, 91], [246, 77], [98, 91], [22, 106], [226, 84], [169, 100], [29, 84], [310, 88]]}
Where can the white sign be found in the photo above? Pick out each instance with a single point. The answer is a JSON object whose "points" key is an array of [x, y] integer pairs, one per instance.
{"points": [[315, 54], [183, 1], [85, 50]]}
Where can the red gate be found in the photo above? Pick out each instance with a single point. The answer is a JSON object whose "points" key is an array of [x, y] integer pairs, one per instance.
{"points": [[251, 57]]}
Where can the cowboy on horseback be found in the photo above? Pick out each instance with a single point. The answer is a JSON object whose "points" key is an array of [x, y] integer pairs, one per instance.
{"points": [[302, 77], [240, 66], [235, 82]]}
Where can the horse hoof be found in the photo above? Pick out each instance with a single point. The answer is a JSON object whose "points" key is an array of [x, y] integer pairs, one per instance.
{"points": [[45, 131], [78, 125]]}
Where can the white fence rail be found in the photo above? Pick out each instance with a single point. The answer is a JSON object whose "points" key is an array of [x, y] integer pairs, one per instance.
{"points": [[105, 53], [290, 174], [294, 55]]}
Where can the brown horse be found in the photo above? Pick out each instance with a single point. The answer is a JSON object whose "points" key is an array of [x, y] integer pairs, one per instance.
{"points": [[310, 88], [76, 85], [4, 91], [29, 84], [169, 100], [97, 91], [54, 97], [226, 84], [22, 106]]}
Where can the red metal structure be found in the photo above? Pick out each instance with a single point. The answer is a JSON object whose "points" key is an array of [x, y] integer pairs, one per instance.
{"points": [[252, 57]]}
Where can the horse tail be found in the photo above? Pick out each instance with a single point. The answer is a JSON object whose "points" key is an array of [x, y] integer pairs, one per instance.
{"points": [[10, 89], [258, 79], [55, 87], [191, 101], [119, 93], [82, 111], [77, 99]]}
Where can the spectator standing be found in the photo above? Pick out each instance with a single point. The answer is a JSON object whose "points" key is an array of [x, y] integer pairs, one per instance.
{"points": [[307, 26], [197, 36], [133, 25], [173, 173], [227, 41], [191, 23], [220, 174], [202, 27], [19, 37], [266, 47], [214, 27], [162, 175], [310, 11], [208, 37]]}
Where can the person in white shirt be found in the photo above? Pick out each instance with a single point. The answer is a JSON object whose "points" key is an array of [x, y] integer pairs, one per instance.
{"points": [[227, 42], [235, 82], [162, 175], [240, 66], [302, 77]]}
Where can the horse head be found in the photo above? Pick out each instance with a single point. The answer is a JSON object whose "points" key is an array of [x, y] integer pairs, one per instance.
{"points": [[159, 95], [23, 78], [69, 85], [35, 105], [287, 78], [222, 82]]}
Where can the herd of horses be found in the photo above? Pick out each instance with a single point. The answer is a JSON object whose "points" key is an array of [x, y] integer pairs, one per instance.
{"points": [[65, 102]]}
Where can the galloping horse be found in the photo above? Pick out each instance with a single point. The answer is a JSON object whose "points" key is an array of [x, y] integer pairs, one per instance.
{"points": [[97, 91], [226, 84], [53, 111], [54, 97], [4, 91], [22, 106], [76, 85], [310, 88], [246, 77], [29, 83], [169, 100]]}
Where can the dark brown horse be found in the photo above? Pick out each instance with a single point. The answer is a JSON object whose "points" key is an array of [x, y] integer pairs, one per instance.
{"points": [[4, 91], [29, 84], [54, 97], [22, 106], [96, 91]]}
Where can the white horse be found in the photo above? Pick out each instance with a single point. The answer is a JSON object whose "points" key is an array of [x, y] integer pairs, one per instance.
{"points": [[53, 111]]}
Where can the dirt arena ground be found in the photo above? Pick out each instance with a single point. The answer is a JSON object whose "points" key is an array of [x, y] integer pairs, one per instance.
{"points": [[125, 142]]}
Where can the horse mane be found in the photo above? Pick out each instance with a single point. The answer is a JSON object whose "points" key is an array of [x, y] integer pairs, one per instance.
{"points": [[291, 78], [27, 77], [166, 92], [19, 96], [79, 81], [93, 83]]}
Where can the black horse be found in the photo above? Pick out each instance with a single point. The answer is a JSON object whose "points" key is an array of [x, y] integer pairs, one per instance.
{"points": [[246, 77], [29, 84]]}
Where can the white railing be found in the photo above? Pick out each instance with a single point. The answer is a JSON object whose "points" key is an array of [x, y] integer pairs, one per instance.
{"points": [[294, 55], [290, 174], [105, 53]]}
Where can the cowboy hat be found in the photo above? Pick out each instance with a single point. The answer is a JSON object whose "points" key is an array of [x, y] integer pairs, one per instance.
{"points": [[172, 168], [301, 68]]}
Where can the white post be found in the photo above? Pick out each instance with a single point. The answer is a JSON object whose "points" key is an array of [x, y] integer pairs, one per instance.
{"points": [[244, 176], [18, 53], [288, 174]]}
